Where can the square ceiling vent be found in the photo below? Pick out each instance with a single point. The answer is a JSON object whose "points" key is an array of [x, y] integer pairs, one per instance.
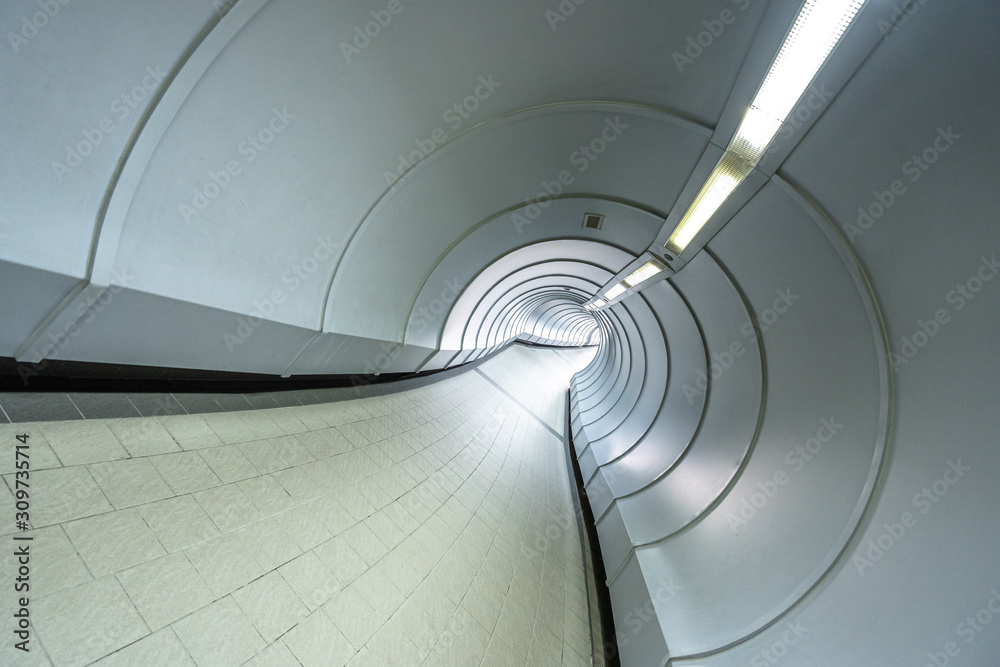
{"points": [[592, 221]]}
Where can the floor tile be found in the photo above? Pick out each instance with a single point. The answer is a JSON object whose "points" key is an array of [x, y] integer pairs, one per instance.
{"points": [[55, 564], [39, 453], [165, 589], [190, 431], [392, 646], [286, 421], [316, 642], [224, 563], [364, 658], [229, 427], [268, 543], [305, 527], [261, 425], [261, 401], [160, 649], [185, 472], [38, 407], [219, 635], [198, 404], [178, 522], [64, 494], [342, 560], [104, 406], [300, 486], [143, 437], [263, 456], [228, 507], [275, 655], [228, 463], [130, 482], [114, 541], [83, 442], [291, 450], [85, 623], [380, 593], [267, 494], [310, 579], [271, 605], [156, 405], [352, 614], [231, 402]]}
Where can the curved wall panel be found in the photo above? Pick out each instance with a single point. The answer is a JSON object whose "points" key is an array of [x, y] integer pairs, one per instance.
{"points": [[815, 373], [784, 490], [733, 391]]}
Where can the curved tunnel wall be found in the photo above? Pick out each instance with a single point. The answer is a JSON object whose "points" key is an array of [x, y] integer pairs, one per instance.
{"points": [[696, 463], [795, 433]]}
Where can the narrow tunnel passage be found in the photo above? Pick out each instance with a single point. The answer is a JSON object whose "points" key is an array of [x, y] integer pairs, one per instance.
{"points": [[429, 526], [773, 222]]}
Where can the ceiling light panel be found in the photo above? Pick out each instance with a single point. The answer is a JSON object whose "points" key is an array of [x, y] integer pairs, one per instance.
{"points": [[615, 292], [644, 272], [818, 27]]}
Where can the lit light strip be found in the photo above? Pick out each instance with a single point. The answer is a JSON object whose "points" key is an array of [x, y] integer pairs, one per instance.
{"points": [[818, 27], [615, 292], [644, 272]]}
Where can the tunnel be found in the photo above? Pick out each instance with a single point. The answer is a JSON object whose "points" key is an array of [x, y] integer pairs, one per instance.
{"points": [[526, 333]]}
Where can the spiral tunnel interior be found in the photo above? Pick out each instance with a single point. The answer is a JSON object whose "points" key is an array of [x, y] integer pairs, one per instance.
{"points": [[787, 439]]}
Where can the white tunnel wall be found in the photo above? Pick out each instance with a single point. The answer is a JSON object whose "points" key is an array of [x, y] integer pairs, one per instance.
{"points": [[789, 445], [677, 495], [835, 505]]}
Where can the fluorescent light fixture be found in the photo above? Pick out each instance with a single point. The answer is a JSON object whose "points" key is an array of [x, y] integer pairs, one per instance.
{"points": [[818, 27], [615, 291], [644, 272], [728, 174], [599, 303]]}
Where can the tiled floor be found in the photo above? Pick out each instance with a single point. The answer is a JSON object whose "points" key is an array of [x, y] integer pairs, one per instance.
{"points": [[433, 526]]}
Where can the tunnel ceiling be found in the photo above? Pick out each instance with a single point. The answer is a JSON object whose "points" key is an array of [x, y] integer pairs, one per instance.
{"points": [[303, 188], [304, 196], [300, 188]]}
